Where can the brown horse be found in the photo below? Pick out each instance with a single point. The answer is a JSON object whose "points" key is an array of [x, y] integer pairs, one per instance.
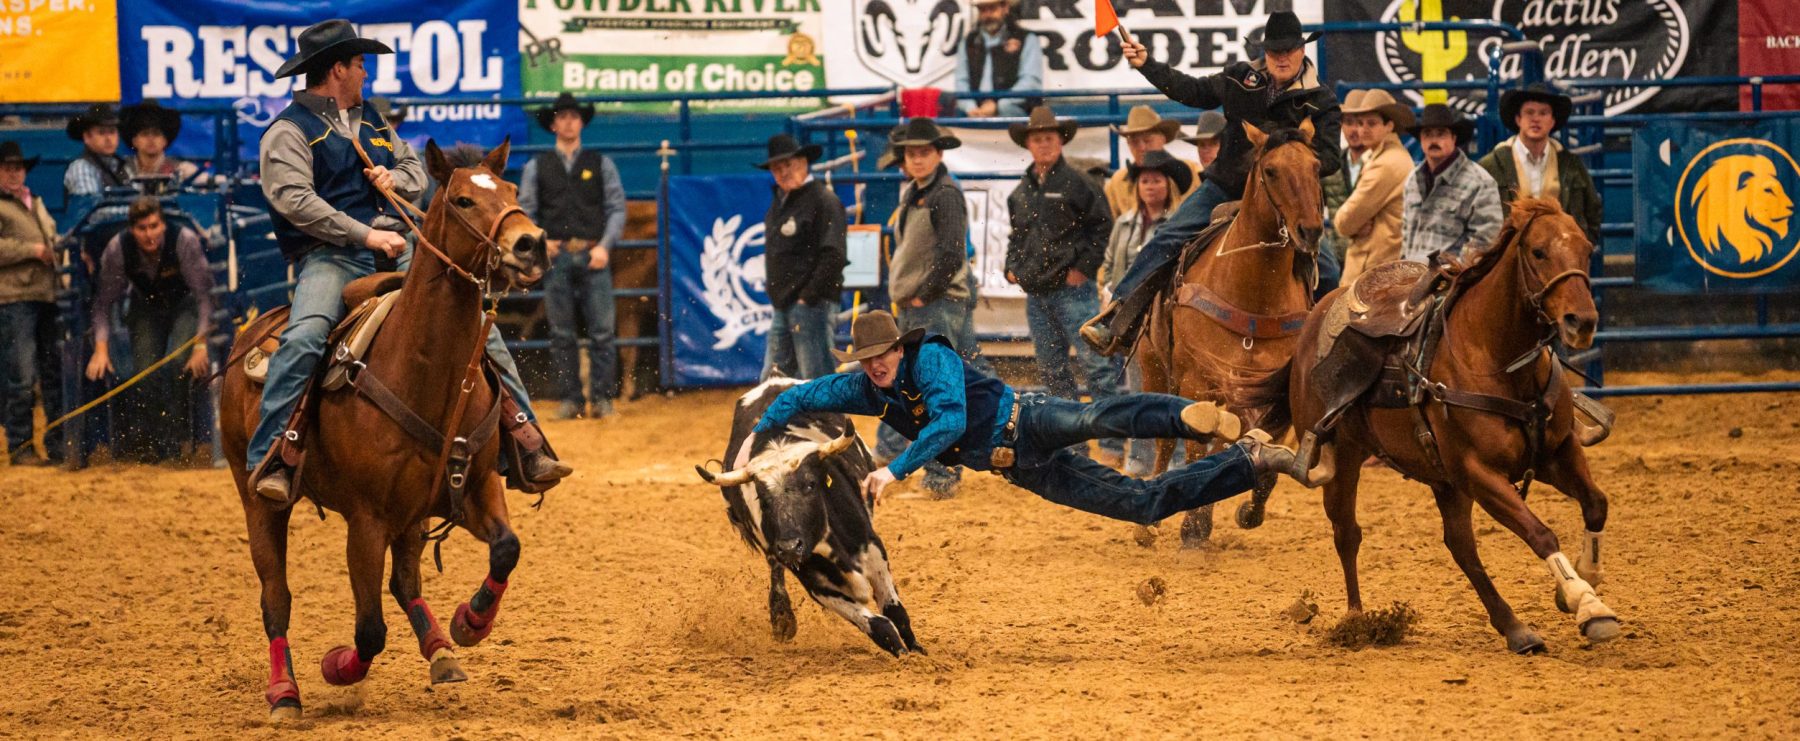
{"points": [[366, 466], [1476, 400], [1236, 314]]}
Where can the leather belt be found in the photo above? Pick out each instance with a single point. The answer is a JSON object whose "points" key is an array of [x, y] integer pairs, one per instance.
{"points": [[1002, 455]]}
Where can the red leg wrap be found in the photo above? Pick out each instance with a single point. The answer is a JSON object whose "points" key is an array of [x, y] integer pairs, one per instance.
{"points": [[425, 625], [282, 688], [470, 625], [342, 667]]}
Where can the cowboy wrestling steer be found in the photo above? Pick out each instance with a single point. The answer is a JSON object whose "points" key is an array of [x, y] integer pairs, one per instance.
{"points": [[793, 494]]}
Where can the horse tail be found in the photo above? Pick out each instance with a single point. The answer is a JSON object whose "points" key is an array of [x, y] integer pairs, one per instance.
{"points": [[1264, 397]]}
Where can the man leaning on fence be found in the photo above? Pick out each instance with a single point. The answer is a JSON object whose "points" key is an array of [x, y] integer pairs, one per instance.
{"points": [[30, 339], [575, 195], [330, 222], [999, 55], [1533, 165]]}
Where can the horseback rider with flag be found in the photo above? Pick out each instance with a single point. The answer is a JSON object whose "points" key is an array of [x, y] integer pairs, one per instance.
{"points": [[331, 220], [1278, 89]]}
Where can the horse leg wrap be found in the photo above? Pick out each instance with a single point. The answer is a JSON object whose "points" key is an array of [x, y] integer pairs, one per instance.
{"points": [[1587, 565], [1572, 592], [425, 626], [282, 691], [342, 666], [476, 617]]}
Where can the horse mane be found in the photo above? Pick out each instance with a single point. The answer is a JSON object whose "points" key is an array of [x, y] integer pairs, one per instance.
{"points": [[1523, 211], [1283, 136], [464, 155]]}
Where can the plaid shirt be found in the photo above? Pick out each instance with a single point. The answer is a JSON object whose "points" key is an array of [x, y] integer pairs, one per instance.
{"points": [[1458, 210]]}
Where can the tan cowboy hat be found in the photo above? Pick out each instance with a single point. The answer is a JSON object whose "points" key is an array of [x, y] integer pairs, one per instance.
{"points": [[1042, 119], [1144, 118], [1379, 102], [873, 334]]}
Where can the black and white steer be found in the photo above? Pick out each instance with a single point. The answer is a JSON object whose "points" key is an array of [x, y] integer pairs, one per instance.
{"points": [[795, 496]]}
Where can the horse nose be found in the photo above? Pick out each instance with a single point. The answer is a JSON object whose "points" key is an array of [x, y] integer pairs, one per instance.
{"points": [[1581, 327], [1309, 235], [790, 551], [528, 244]]}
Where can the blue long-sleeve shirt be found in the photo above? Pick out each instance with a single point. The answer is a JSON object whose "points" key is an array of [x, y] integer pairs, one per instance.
{"points": [[938, 372]]}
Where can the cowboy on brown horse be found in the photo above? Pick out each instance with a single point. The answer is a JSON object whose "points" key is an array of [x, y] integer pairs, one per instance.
{"points": [[330, 221]]}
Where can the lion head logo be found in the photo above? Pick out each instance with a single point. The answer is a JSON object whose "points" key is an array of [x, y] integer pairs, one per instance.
{"points": [[1740, 204]]}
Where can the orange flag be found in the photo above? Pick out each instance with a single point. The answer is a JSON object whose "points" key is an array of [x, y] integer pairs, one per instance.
{"points": [[1105, 20]]}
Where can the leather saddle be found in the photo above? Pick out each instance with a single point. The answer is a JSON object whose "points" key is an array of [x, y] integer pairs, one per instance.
{"points": [[1391, 313], [368, 301]]}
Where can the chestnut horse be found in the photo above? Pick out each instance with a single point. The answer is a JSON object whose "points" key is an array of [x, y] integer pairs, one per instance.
{"points": [[366, 466], [1483, 405], [1236, 314]]}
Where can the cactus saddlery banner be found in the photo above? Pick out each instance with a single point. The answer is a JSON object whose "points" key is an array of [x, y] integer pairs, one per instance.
{"points": [[1632, 39]]}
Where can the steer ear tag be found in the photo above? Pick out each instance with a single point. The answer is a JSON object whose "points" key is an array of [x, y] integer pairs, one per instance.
{"points": [[788, 229]]}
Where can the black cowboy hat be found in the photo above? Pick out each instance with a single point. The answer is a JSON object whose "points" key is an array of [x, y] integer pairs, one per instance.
{"points": [[1161, 161], [921, 131], [873, 334], [782, 146], [1041, 120], [149, 115], [98, 114], [1512, 100], [328, 42], [1282, 32], [1440, 116], [11, 153], [565, 102]]}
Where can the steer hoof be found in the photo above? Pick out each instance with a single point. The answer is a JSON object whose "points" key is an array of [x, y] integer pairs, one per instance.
{"points": [[467, 628], [1600, 629], [1524, 642], [885, 635], [782, 626], [445, 669]]}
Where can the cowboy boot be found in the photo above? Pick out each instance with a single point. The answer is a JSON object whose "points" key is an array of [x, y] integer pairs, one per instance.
{"points": [[1269, 459], [537, 462], [1098, 333], [543, 468], [1208, 419]]}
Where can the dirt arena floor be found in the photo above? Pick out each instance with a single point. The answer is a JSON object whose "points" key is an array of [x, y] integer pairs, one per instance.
{"points": [[131, 609]]}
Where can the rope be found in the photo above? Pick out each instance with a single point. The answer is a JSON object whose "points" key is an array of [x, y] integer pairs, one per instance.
{"points": [[103, 398]]}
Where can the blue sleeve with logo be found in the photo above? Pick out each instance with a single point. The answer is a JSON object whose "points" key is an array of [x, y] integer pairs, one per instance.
{"points": [[940, 376], [839, 392]]}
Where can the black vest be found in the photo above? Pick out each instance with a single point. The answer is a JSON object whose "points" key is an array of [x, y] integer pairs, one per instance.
{"points": [[903, 408], [572, 202], [1006, 64], [337, 175], [111, 167], [164, 286]]}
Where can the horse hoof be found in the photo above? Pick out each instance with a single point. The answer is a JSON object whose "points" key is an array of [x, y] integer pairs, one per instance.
{"points": [[463, 629], [1525, 643], [445, 669], [284, 714], [1197, 528], [1600, 629], [342, 667], [1249, 516]]}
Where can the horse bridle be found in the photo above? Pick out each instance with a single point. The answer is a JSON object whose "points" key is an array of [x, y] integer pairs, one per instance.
{"points": [[1287, 236], [1529, 274], [489, 255]]}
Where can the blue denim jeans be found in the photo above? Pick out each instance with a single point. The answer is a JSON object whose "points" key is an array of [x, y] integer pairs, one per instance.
{"points": [[1054, 319], [940, 317], [1165, 246], [318, 304], [800, 341], [573, 293], [1045, 466], [30, 359]]}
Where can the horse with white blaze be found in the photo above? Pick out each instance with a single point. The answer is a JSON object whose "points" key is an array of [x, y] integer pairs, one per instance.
{"points": [[793, 493]]}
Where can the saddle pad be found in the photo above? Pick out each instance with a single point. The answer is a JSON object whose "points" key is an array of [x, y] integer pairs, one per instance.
{"points": [[364, 324], [256, 362]]}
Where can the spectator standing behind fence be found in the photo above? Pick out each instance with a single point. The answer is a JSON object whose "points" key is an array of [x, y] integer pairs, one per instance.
{"points": [[1060, 223], [1158, 183], [149, 128], [1368, 220], [928, 277], [1279, 89], [99, 167], [1533, 165], [1452, 205], [30, 352], [1144, 132], [1337, 185], [575, 194], [999, 55], [804, 254], [1206, 137], [165, 273]]}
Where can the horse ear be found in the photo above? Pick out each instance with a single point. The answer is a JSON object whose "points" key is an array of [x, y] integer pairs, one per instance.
{"points": [[496, 160], [1306, 130], [1256, 135], [436, 163]]}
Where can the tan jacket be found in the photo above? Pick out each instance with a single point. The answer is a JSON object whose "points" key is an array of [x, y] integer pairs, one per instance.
{"points": [[1370, 217], [1121, 193], [23, 277]]}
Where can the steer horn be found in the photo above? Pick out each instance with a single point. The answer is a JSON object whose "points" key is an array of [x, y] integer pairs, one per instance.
{"points": [[725, 478], [836, 445]]}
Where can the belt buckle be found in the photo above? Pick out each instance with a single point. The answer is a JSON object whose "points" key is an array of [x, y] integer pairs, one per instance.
{"points": [[1001, 458]]}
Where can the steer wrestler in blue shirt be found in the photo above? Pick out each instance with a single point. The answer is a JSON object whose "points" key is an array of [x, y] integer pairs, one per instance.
{"points": [[919, 386]]}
